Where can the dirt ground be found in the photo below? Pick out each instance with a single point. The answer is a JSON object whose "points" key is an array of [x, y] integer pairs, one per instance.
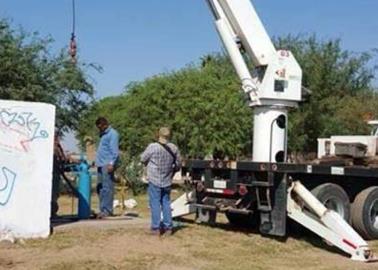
{"points": [[125, 244]]}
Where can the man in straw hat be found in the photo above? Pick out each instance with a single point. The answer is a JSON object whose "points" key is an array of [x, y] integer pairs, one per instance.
{"points": [[162, 159]]}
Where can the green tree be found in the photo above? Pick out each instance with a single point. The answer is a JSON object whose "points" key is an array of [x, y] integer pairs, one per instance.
{"points": [[201, 103], [29, 72], [205, 107], [337, 79]]}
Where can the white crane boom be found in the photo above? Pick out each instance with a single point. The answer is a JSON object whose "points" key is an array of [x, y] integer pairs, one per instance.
{"points": [[249, 29], [277, 77]]}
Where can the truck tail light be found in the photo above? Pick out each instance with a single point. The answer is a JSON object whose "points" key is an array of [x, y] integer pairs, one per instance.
{"points": [[242, 190]]}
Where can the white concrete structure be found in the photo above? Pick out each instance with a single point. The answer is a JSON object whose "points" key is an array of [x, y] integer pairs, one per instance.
{"points": [[26, 157]]}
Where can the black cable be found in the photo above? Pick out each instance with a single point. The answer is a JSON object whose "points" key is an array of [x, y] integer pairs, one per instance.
{"points": [[286, 138], [73, 19], [271, 139]]}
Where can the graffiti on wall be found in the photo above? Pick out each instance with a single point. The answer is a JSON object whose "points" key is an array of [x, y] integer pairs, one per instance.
{"points": [[20, 128], [26, 159], [7, 180]]}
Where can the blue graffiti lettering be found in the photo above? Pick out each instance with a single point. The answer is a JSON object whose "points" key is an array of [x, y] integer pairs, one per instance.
{"points": [[7, 181]]}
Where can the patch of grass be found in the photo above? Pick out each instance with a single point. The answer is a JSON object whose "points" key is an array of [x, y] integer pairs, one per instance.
{"points": [[57, 241], [69, 205], [6, 263], [140, 259], [192, 247], [71, 238], [81, 265]]}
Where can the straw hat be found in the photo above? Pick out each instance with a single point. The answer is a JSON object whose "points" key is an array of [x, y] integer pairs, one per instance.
{"points": [[164, 135]]}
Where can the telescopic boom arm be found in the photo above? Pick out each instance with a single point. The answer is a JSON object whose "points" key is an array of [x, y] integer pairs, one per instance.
{"points": [[276, 79]]}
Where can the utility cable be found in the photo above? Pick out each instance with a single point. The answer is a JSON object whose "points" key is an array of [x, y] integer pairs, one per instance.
{"points": [[73, 17]]}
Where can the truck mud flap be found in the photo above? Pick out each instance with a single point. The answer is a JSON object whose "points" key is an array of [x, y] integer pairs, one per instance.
{"points": [[274, 222]]}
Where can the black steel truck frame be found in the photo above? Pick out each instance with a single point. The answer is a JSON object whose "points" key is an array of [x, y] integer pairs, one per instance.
{"points": [[253, 192]]}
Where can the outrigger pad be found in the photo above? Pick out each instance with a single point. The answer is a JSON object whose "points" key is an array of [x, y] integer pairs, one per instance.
{"points": [[274, 222]]}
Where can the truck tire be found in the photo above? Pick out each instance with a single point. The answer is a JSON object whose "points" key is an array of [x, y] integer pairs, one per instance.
{"points": [[335, 198], [365, 213]]}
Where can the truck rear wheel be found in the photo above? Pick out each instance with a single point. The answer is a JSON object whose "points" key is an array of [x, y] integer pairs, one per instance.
{"points": [[365, 213], [335, 198]]}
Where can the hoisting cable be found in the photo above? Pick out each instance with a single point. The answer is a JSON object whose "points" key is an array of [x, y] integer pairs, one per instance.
{"points": [[73, 45]]}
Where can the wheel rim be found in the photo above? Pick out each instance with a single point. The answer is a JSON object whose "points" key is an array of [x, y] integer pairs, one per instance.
{"points": [[334, 204], [374, 214]]}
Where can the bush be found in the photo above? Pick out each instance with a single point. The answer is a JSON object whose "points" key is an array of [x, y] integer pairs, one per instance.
{"points": [[131, 171]]}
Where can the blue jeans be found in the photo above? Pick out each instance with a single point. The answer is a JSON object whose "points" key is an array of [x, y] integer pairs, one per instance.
{"points": [[106, 192], [160, 201]]}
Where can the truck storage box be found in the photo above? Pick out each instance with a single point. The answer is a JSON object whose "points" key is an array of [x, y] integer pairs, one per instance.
{"points": [[356, 150]]}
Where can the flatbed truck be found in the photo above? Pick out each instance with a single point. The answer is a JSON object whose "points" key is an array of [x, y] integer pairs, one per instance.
{"points": [[338, 203]]}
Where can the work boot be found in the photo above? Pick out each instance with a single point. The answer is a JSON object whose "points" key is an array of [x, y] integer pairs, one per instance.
{"points": [[167, 232], [154, 232], [102, 215]]}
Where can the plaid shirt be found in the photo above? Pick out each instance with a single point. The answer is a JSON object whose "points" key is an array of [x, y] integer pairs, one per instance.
{"points": [[160, 163]]}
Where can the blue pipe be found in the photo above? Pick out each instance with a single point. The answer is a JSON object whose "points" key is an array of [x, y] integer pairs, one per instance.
{"points": [[84, 189]]}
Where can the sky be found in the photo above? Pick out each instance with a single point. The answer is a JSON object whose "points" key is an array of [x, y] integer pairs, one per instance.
{"points": [[134, 39]]}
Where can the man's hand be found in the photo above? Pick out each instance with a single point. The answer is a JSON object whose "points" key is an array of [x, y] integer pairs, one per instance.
{"points": [[110, 168]]}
